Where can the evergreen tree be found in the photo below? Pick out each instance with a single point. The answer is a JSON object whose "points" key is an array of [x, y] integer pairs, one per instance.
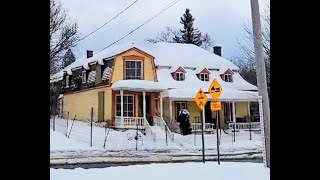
{"points": [[68, 58], [190, 35]]}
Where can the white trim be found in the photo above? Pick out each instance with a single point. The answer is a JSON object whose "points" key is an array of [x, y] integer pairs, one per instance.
{"points": [[144, 104], [161, 106]]}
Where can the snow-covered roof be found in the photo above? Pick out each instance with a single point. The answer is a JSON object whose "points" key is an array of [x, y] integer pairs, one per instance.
{"points": [[175, 55], [138, 85], [59, 75], [185, 55], [99, 57], [188, 94], [191, 80], [199, 69]]}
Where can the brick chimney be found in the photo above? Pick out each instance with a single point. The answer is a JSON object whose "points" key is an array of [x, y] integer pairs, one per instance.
{"points": [[89, 54], [217, 50]]}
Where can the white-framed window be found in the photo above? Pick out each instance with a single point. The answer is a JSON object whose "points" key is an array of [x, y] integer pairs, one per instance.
{"points": [[133, 69], [67, 81], [227, 77], [179, 106], [204, 76], [128, 105], [179, 76], [84, 77]]}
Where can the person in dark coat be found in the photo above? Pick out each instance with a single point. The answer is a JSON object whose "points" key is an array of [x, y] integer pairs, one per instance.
{"points": [[183, 118]]}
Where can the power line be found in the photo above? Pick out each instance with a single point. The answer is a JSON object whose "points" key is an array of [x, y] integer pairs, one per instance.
{"points": [[150, 19], [108, 21]]}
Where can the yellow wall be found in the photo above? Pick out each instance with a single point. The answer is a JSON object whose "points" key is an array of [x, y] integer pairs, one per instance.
{"points": [[118, 68], [193, 110], [80, 103], [191, 106], [241, 109]]}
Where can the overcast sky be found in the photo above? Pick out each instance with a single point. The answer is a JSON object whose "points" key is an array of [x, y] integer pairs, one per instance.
{"points": [[222, 19]]}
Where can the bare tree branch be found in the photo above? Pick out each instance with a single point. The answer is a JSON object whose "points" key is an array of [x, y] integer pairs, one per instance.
{"points": [[63, 34], [246, 59]]}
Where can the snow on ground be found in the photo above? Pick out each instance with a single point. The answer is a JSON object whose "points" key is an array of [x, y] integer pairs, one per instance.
{"points": [[185, 171], [79, 140], [59, 142]]}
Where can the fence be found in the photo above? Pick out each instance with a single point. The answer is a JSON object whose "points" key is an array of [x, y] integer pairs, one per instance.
{"points": [[99, 135]]}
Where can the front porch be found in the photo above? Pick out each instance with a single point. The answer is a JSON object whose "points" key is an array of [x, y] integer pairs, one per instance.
{"points": [[240, 110], [136, 102]]}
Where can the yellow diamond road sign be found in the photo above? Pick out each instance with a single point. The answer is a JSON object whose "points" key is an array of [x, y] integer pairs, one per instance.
{"points": [[200, 99], [215, 90], [215, 106]]}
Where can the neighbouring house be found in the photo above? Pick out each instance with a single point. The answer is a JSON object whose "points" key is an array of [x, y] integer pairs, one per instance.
{"points": [[147, 84]]}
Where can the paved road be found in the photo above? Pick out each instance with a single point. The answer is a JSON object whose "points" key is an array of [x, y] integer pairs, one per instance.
{"points": [[102, 162]]}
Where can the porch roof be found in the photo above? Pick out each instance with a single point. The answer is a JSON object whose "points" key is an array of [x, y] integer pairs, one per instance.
{"points": [[139, 85], [188, 94]]}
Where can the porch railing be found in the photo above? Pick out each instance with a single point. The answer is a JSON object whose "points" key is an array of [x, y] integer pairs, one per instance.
{"points": [[160, 122], [197, 126], [129, 122], [246, 126]]}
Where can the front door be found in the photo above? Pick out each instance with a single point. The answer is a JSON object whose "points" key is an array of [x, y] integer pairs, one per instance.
{"points": [[208, 113]]}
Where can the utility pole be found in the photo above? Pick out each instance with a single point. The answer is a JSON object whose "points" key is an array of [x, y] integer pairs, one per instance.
{"points": [[261, 74]]}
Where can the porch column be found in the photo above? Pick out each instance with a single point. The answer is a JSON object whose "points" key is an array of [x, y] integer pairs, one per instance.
{"points": [[144, 104], [233, 112], [249, 111], [121, 95], [161, 106], [170, 109]]}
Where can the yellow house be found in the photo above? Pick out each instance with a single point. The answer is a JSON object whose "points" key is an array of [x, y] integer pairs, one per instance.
{"points": [[147, 85]]}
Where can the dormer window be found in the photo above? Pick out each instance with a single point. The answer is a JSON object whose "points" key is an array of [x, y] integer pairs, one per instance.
{"points": [[227, 76], [178, 73], [179, 76], [204, 76]]}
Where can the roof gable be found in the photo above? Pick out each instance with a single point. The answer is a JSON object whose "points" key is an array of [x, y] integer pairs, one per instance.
{"points": [[228, 71], [179, 69]]}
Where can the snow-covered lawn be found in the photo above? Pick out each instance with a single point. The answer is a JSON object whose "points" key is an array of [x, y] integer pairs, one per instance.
{"points": [[59, 142], [185, 171], [79, 140]]}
